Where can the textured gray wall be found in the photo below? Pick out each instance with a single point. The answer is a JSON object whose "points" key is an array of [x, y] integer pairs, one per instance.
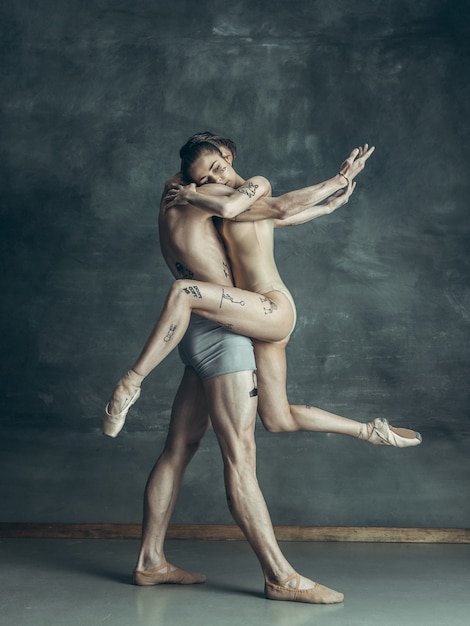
{"points": [[97, 97]]}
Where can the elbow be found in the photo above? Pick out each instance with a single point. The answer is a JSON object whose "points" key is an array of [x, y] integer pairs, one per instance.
{"points": [[282, 210], [231, 209]]}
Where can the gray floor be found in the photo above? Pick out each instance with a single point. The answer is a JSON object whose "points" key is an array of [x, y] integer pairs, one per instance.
{"points": [[58, 582]]}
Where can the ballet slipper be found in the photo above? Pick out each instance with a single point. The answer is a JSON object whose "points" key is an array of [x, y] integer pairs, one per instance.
{"points": [[170, 575], [113, 424], [318, 594], [382, 434]]}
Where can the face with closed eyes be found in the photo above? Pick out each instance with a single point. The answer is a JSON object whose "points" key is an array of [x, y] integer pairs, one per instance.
{"points": [[214, 167]]}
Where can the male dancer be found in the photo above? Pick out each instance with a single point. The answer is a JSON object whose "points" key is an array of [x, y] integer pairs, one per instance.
{"points": [[221, 386]]}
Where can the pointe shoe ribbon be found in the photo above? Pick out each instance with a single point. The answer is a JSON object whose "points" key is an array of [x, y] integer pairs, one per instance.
{"points": [[166, 573], [113, 423], [382, 434], [318, 594]]}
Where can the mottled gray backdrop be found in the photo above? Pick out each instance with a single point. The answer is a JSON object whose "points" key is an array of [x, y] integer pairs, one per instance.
{"points": [[97, 98]]}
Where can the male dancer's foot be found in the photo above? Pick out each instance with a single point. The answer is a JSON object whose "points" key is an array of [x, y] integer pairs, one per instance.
{"points": [[167, 574], [297, 588], [125, 394], [380, 433]]}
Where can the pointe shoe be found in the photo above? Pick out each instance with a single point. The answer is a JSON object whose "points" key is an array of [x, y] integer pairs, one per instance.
{"points": [[171, 575], [318, 594], [383, 434], [113, 424]]}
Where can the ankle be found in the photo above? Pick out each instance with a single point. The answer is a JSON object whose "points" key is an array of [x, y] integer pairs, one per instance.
{"points": [[134, 378], [365, 431]]}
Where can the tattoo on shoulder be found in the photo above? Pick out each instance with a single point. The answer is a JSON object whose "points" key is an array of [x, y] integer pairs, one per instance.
{"points": [[249, 190], [193, 290], [183, 271]]}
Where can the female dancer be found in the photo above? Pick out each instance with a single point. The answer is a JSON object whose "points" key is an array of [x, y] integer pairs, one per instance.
{"points": [[260, 307]]}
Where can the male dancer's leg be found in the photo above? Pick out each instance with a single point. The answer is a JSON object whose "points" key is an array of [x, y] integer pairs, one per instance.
{"points": [[188, 424], [232, 406]]}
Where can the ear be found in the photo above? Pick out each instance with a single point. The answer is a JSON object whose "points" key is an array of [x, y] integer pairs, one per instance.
{"points": [[227, 155]]}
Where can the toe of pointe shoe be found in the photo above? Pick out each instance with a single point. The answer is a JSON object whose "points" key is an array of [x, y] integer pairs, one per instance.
{"points": [[113, 424], [386, 435]]}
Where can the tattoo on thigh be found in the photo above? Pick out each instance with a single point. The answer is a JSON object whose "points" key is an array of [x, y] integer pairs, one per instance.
{"points": [[254, 392], [268, 305], [226, 296], [170, 333], [183, 271], [248, 190], [194, 290]]}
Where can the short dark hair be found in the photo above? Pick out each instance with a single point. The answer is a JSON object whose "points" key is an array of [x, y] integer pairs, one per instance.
{"points": [[191, 152], [212, 138]]}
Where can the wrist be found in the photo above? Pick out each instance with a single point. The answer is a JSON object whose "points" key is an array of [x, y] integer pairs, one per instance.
{"points": [[343, 180]]}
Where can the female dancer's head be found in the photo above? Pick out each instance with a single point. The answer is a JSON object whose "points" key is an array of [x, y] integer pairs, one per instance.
{"points": [[208, 158]]}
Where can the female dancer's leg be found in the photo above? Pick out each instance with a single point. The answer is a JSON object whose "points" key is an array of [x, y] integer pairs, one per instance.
{"points": [[278, 415], [268, 317]]}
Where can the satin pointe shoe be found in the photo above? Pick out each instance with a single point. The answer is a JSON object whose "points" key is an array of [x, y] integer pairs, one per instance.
{"points": [[382, 434], [318, 594], [167, 574], [113, 424]]}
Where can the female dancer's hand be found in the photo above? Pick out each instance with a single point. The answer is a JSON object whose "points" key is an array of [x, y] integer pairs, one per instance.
{"points": [[340, 198]]}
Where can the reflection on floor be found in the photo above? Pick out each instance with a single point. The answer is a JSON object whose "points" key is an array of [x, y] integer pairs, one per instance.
{"points": [[58, 582]]}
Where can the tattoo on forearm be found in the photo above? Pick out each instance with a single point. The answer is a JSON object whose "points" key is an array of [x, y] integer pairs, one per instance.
{"points": [[170, 333], [268, 305], [194, 290], [183, 271], [226, 296], [248, 190]]}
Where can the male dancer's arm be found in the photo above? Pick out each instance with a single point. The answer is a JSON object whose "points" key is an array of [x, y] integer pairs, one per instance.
{"points": [[339, 199], [300, 206]]}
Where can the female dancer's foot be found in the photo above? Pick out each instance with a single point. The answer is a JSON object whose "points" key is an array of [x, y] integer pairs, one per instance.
{"points": [[125, 394], [380, 433]]}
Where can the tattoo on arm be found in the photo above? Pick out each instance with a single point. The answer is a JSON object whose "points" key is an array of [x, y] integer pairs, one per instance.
{"points": [[268, 305], [183, 271], [248, 190], [194, 290], [170, 333], [226, 296]]}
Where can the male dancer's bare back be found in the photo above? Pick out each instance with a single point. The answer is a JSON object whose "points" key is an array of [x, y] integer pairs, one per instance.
{"points": [[192, 248]]}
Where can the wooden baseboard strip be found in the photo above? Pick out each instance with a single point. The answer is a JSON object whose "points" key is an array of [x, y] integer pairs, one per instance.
{"points": [[230, 532]]}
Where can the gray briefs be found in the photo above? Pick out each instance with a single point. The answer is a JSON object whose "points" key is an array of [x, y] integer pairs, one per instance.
{"points": [[212, 350]]}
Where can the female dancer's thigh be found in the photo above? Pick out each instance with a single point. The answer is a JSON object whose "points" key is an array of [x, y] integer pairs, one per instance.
{"points": [[268, 317]]}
